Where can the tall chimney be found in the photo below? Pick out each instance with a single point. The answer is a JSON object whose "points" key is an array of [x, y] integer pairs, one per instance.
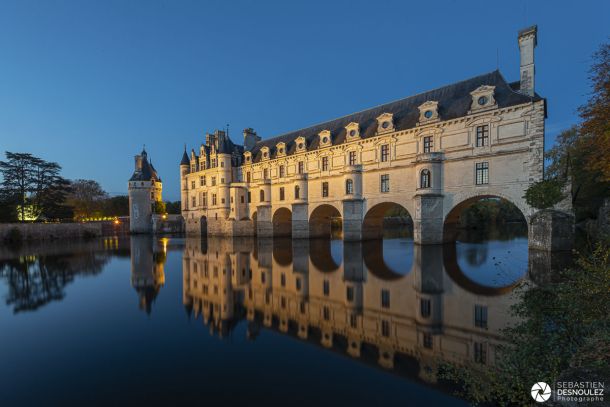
{"points": [[138, 159], [527, 43], [250, 139]]}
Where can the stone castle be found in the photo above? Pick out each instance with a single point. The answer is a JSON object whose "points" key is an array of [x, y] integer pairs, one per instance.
{"points": [[431, 154]]}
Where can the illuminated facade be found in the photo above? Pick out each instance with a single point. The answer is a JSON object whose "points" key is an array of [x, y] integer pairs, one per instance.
{"points": [[431, 154], [145, 188]]}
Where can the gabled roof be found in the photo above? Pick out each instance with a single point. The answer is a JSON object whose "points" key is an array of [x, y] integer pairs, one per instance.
{"points": [[454, 101]]}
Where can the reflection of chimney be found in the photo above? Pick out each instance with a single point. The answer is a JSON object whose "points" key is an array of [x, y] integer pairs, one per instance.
{"points": [[527, 43], [138, 159]]}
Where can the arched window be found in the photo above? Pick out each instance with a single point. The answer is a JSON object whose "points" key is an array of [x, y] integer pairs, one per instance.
{"points": [[297, 191], [262, 196], [425, 179], [349, 187]]}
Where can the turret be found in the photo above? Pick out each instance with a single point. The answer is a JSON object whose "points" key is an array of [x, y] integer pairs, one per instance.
{"points": [[527, 43], [145, 188]]}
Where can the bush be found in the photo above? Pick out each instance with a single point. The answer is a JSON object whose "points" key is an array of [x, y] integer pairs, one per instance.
{"points": [[544, 194]]}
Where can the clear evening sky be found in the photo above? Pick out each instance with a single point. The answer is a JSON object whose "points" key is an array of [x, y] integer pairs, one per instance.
{"points": [[87, 83]]}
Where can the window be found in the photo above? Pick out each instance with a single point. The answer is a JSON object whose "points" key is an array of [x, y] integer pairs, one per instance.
{"points": [[282, 171], [283, 280], [353, 320], [192, 184], [249, 196], [349, 187], [352, 158], [202, 181], [326, 312], [301, 165], [326, 287], [213, 163], [262, 196], [385, 152], [385, 183], [427, 144], [385, 299], [205, 199], [297, 191], [302, 307], [222, 164], [480, 352], [482, 135], [242, 199], [425, 307], [263, 277], [265, 173], [324, 163], [427, 340], [193, 167], [281, 193], [480, 316], [349, 293], [194, 202], [424, 179], [248, 176], [213, 199], [385, 328], [213, 181], [298, 284], [324, 189], [222, 200], [283, 302], [482, 173], [222, 181]]}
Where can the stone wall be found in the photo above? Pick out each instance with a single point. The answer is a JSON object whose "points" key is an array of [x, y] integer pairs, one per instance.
{"points": [[51, 231]]}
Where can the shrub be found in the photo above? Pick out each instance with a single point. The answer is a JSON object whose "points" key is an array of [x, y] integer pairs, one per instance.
{"points": [[544, 194]]}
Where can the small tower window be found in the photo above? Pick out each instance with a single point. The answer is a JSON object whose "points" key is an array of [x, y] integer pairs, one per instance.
{"points": [[297, 191], [425, 179], [427, 144], [349, 187], [262, 196]]}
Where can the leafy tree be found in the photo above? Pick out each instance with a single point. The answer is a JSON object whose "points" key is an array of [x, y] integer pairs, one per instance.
{"points": [[116, 206], [544, 194], [158, 207], [173, 207], [595, 128], [87, 198], [32, 185]]}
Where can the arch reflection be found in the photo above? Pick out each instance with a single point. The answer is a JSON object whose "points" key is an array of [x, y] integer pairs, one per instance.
{"points": [[359, 306]]}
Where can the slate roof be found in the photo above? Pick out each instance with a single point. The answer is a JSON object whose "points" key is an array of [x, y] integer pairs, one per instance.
{"points": [[185, 159], [454, 101], [147, 173]]}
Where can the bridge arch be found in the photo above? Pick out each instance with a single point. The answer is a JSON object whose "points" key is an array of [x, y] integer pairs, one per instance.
{"points": [[375, 218], [282, 222], [321, 220], [456, 217]]}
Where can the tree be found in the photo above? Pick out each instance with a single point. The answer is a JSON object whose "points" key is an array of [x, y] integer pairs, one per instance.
{"points": [[544, 194], [86, 198], [116, 206], [33, 186], [158, 207], [595, 128], [18, 179], [173, 207]]}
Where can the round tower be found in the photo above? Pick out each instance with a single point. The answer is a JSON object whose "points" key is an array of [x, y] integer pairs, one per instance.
{"points": [[145, 189]]}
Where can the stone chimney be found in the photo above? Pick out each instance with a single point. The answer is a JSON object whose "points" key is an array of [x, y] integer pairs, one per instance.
{"points": [[250, 138], [527, 43], [138, 160]]}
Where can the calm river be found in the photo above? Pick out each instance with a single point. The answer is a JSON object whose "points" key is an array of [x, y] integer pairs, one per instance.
{"points": [[142, 320]]}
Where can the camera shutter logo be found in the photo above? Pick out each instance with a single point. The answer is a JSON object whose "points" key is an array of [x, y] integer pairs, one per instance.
{"points": [[541, 392]]}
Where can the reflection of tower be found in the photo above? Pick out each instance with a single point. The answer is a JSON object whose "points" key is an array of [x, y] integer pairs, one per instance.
{"points": [[145, 189], [147, 270]]}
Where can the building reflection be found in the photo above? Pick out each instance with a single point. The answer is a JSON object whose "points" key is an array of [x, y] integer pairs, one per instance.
{"points": [[148, 256], [356, 304]]}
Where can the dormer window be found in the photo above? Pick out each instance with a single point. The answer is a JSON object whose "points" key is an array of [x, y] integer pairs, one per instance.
{"points": [[265, 153], [301, 144], [483, 98], [325, 139], [248, 156], [385, 123], [352, 131], [428, 112], [281, 149]]}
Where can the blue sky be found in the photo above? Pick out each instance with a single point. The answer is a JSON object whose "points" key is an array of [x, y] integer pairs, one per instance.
{"points": [[87, 83]]}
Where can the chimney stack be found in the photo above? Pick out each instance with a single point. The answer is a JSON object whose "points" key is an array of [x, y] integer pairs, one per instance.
{"points": [[138, 159], [250, 139], [527, 43]]}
